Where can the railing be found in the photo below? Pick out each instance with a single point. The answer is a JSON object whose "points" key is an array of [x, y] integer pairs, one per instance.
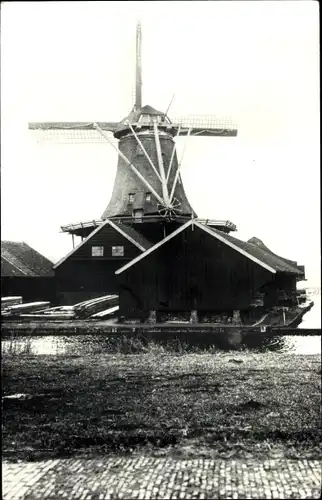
{"points": [[148, 218], [81, 225]]}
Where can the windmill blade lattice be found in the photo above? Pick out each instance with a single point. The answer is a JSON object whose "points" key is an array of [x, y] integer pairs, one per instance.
{"points": [[70, 133], [205, 125], [171, 212]]}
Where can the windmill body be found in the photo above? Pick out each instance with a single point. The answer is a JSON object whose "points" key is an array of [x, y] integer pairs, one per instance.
{"points": [[149, 246], [130, 197]]}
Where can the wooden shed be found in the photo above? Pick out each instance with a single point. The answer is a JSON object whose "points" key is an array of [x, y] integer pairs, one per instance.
{"points": [[26, 272], [203, 269], [88, 271]]}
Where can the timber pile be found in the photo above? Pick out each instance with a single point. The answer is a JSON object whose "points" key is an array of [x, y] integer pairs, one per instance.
{"points": [[86, 309], [17, 309], [62, 312], [98, 308], [10, 301], [105, 313]]}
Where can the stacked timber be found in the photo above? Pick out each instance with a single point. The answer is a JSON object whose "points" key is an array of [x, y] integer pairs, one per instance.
{"points": [[10, 301], [53, 313], [98, 308], [18, 309], [106, 313], [88, 308]]}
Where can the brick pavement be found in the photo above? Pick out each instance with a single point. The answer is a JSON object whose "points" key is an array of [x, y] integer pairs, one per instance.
{"points": [[148, 478]]}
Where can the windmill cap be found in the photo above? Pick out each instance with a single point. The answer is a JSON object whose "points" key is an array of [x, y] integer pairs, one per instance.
{"points": [[135, 116]]}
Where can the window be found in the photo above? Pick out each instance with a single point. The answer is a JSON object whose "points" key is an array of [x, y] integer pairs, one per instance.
{"points": [[148, 197], [97, 251], [131, 197], [118, 251], [145, 119]]}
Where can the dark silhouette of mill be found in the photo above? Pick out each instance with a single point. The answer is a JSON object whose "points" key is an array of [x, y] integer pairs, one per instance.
{"points": [[149, 246]]}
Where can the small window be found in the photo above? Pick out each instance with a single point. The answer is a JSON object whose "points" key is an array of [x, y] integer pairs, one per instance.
{"points": [[131, 197], [97, 251], [118, 251], [148, 197], [145, 119]]}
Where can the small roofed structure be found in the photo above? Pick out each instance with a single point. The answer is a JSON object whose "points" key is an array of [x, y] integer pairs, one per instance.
{"points": [[25, 272], [88, 271], [198, 268]]}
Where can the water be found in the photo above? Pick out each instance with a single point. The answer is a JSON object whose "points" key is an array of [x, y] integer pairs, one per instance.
{"points": [[92, 344]]}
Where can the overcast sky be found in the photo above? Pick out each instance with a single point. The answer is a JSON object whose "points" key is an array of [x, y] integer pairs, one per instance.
{"points": [[257, 62]]}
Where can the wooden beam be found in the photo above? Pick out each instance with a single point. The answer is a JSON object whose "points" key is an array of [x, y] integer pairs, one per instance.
{"points": [[132, 167], [165, 192], [144, 151], [172, 154]]}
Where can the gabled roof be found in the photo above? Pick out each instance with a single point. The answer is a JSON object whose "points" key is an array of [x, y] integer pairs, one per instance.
{"points": [[252, 252], [127, 231], [19, 259]]}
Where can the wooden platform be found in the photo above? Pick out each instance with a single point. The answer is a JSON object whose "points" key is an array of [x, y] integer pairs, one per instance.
{"points": [[87, 327]]}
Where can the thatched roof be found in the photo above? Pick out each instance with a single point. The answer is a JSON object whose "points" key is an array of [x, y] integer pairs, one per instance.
{"points": [[19, 259]]}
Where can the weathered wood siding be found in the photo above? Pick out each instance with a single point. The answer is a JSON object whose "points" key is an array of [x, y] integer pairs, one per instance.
{"points": [[282, 281], [191, 271], [106, 237], [83, 277], [31, 288]]}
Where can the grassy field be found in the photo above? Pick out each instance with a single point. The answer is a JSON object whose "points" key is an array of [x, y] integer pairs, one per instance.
{"points": [[222, 404]]}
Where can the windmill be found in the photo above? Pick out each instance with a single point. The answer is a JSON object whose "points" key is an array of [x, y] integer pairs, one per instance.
{"points": [[148, 185], [149, 247]]}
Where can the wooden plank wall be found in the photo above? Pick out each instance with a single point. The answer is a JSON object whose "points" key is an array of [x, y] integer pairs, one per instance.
{"points": [[83, 277], [106, 237], [29, 287], [193, 270]]}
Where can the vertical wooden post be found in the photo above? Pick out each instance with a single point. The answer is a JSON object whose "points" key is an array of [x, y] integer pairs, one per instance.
{"points": [[193, 316], [152, 318], [73, 241]]}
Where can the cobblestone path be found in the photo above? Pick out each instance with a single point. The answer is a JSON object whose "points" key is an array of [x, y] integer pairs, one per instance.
{"points": [[146, 477]]}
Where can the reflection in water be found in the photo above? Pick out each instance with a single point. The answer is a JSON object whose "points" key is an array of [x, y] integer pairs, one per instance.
{"points": [[313, 318], [287, 344], [98, 344]]}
